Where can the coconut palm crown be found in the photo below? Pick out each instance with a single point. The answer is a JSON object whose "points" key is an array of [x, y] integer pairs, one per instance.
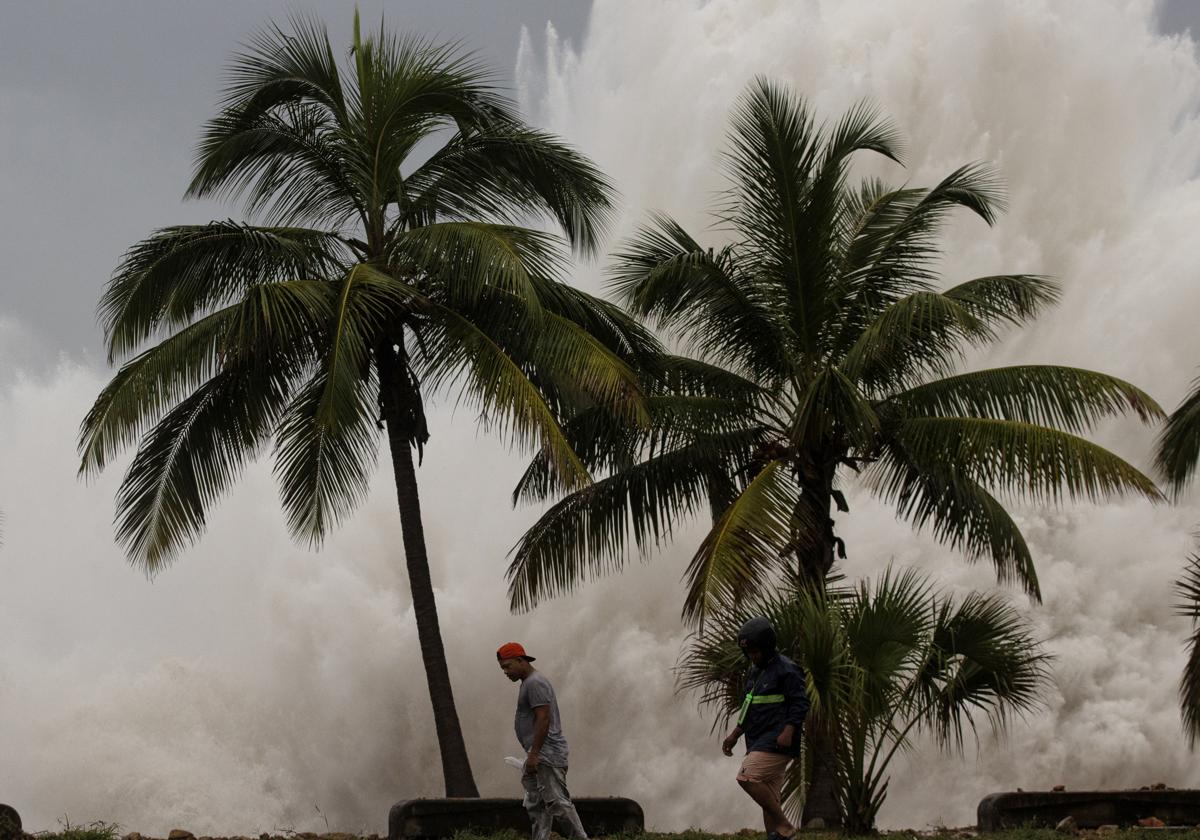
{"points": [[387, 262], [821, 345]]}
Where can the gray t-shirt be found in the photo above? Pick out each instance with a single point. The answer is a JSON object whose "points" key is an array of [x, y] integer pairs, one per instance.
{"points": [[537, 691]]}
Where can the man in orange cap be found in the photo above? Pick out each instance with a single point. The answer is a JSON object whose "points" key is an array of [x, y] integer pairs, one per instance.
{"points": [[539, 729]]}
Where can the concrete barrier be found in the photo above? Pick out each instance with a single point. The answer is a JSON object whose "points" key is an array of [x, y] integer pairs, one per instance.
{"points": [[10, 822], [1090, 808], [432, 818]]}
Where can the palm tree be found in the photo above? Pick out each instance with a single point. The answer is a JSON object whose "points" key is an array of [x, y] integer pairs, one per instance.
{"points": [[885, 660], [823, 346], [1177, 453], [1187, 589], [390, 265]]}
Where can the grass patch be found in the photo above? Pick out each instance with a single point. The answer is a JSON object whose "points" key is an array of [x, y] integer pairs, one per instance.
{"points": [[111, 831], [98, 830]]}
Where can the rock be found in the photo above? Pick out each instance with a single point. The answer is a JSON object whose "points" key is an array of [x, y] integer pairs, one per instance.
{"points": [[180, 834], [815, 824], [1058, 788], [1151, 822], [10, 823], [264, 836], [1067, 825], [133, 835], [1159, 786], [1108, 829]]}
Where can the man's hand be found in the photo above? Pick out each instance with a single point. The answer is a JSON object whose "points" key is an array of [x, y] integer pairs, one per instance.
{"points": [[728, 744], [785, 737], [531, 763]]}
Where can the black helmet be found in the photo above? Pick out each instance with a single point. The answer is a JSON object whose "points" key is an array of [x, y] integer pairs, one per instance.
{"points": [[758, 632]]}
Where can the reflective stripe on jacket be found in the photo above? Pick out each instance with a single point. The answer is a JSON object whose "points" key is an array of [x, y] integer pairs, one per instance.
{"points": [[775, 696]]}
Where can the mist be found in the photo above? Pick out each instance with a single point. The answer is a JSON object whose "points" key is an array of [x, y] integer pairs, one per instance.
{"points": [[257, 685]]}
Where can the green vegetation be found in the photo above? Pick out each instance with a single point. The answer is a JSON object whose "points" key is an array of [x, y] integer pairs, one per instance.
{"points": [[390, 265], [389, 258], [899, 834], [105, 831], [884, 660], [1176, 458], [99, 830], [1187, 589], [823, 345]]}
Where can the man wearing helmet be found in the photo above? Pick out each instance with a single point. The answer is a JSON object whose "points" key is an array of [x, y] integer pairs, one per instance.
{"points": [[771, 718], [539, 729]]}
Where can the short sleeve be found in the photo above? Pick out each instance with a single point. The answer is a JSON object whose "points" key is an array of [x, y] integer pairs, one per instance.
{"points": [[540, 694]]}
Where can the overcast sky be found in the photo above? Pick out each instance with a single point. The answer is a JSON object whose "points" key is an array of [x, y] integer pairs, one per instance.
{"points": [[100, 106], [101, 103]]}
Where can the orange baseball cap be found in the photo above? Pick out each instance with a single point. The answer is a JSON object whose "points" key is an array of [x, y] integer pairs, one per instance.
{"points": [[512, 650]]}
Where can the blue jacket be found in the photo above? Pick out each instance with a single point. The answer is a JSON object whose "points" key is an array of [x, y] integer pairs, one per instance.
{"points": [[775, 697]]}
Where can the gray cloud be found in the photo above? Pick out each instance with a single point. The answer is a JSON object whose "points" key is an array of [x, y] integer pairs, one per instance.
{"points": [[100, 108]]}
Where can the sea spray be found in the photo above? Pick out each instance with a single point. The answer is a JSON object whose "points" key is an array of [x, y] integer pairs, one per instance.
{"points": [[254, 679]]}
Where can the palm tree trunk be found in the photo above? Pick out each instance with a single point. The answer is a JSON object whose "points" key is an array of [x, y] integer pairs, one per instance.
{"points": [[394, 396], [820, 800]]}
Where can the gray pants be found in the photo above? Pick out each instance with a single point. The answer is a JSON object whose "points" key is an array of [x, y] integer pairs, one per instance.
{"points": [[547, 797]]}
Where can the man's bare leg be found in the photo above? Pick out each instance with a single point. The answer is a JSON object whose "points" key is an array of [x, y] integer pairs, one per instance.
{"points": [[774, 819]]}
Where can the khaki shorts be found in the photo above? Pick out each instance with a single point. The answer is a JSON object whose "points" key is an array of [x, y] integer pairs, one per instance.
{"points": [[766, 767]]}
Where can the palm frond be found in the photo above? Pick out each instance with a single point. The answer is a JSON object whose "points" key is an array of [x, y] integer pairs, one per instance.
{"points": [[190, 458], [1022, 459], [747, 544], [684, 376], [275, 323], [918, 335], [1006, 299], [983, 659], [1187, 591], [457, 350], [277, 67], [147, 386], [860, 129], [326, 442], [509, 172], [607, 438], [831, 409], [957, 509], [290, 166], [577, 365], [182, 272], [775, 151], [885, 622], [606, 441], [612, 326], [461, 260], [1071, 399], [591, 531], [665, 275], [1178, 445]]}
